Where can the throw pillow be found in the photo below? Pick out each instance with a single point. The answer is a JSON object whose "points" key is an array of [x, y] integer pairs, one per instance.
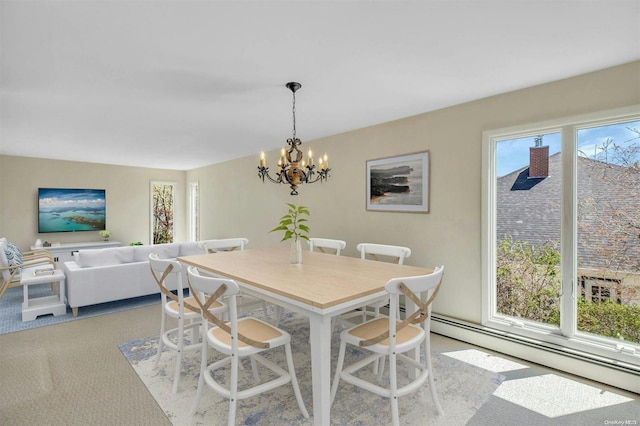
{"points": [[14, 256]]}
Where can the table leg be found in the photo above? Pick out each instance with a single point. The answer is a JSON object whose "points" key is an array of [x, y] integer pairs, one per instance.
{"points": [[320, 328]]}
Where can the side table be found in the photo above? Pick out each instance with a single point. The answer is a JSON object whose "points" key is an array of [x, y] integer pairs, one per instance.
{"points": [[33, 307]]}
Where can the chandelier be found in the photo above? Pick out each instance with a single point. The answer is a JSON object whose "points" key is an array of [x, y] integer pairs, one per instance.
{"points": [[293, 169]]}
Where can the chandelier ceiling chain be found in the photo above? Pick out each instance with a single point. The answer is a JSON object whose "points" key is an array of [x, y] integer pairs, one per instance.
{"points": [[293, 170], [293, 111]]}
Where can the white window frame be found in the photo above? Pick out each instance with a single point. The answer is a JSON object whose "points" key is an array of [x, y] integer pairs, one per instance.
{"points": [[194, 211], [566, 335], [151, 206]]}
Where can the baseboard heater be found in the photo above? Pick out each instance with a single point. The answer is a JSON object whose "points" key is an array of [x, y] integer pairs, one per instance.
{"points": [[548, 347]]}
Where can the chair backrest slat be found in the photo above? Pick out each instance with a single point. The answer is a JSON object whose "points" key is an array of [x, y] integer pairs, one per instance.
{"points": [[322, 244], [397, 253], [225, 244]]}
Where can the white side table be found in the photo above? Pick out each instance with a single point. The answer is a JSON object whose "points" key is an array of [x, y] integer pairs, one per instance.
{"points": [[55, 305]]}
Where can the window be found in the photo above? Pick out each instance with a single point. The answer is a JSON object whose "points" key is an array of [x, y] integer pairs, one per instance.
{"points": [[600, 290], [162, 211], [194, 212], [561, 232]]}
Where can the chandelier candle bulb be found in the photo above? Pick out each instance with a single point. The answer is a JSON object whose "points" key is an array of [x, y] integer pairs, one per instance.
{"points": [[310, 158], [263, 162]]}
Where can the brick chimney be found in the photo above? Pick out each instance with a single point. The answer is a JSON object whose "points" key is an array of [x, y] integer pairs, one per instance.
{"points": [[539, 160]]}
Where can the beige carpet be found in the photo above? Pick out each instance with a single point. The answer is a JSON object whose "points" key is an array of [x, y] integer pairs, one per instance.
{"points": [[74, 374]]}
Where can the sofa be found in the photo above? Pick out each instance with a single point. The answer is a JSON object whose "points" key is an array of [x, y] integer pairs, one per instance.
{"points": [[116, 273]]}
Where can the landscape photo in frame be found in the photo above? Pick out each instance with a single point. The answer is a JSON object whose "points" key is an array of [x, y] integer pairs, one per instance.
{"points": [[399, 184]]}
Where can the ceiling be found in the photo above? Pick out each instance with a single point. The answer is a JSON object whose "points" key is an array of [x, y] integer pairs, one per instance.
{"points": [[184, 84]]}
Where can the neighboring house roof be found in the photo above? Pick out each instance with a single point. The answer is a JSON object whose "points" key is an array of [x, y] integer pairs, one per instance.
{"points": [[528, 210]]}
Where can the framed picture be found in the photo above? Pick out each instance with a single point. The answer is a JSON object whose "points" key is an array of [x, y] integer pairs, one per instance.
{"points": [[399, 184]]}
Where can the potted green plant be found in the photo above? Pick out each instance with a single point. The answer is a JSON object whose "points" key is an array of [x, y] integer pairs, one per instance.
{"points": [[105, 235], [295, 229]]}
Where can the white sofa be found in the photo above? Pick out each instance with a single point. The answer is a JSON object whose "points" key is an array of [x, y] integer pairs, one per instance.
{"points": [[116, 273]]}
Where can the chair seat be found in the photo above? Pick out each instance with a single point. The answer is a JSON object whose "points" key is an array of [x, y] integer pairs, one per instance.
{"points": [[252, 328], [410, 335]]}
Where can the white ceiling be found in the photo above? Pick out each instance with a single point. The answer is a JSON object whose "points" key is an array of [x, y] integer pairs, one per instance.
{"points": [[184, 84]]}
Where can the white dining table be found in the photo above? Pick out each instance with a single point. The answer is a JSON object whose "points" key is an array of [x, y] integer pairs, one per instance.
{"points": [[320, 288]]}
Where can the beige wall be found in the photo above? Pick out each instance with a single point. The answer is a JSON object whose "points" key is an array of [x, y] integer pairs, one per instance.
{"points": [[127, 190], [235, 203]]}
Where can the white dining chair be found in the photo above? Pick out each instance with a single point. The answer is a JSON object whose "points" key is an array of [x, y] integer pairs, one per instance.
{"points": [[382, 253], [168, 275], [327, 245], [389, 337], [245, 302], [224, 244], [237, 338], [322, 245]]}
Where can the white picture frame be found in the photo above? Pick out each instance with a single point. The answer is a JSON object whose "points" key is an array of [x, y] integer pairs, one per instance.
{"points": [[399, 184]]}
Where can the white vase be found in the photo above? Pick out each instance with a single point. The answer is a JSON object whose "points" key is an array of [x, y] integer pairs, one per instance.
{"points": [[296, 252]]}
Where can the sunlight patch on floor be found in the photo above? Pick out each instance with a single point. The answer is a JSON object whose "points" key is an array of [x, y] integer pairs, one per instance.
{"points": [[485, 360], [553, 396]]}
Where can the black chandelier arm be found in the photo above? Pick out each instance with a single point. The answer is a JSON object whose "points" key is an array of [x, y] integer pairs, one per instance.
{"points": [[264, 172], [322, 176], [307, 176]]}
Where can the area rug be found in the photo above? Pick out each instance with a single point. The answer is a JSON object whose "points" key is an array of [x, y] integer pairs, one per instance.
{"points": [[11, 308], [462, 388]]}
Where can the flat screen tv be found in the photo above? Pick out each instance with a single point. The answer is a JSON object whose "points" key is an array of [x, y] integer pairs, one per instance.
{"points": [[71, 210]]}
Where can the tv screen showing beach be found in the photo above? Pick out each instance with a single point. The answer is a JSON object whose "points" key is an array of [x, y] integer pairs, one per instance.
{"points": [[71, 210]]}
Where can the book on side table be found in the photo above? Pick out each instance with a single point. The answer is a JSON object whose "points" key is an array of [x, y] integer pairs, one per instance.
{"points": [[43, 271]]}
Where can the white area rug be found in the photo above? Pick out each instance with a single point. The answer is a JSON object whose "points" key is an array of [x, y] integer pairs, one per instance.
{"points": [[462, 388]]}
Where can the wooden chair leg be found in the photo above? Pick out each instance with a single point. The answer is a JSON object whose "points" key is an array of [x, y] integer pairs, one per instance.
{"points": [[3, 288]]}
